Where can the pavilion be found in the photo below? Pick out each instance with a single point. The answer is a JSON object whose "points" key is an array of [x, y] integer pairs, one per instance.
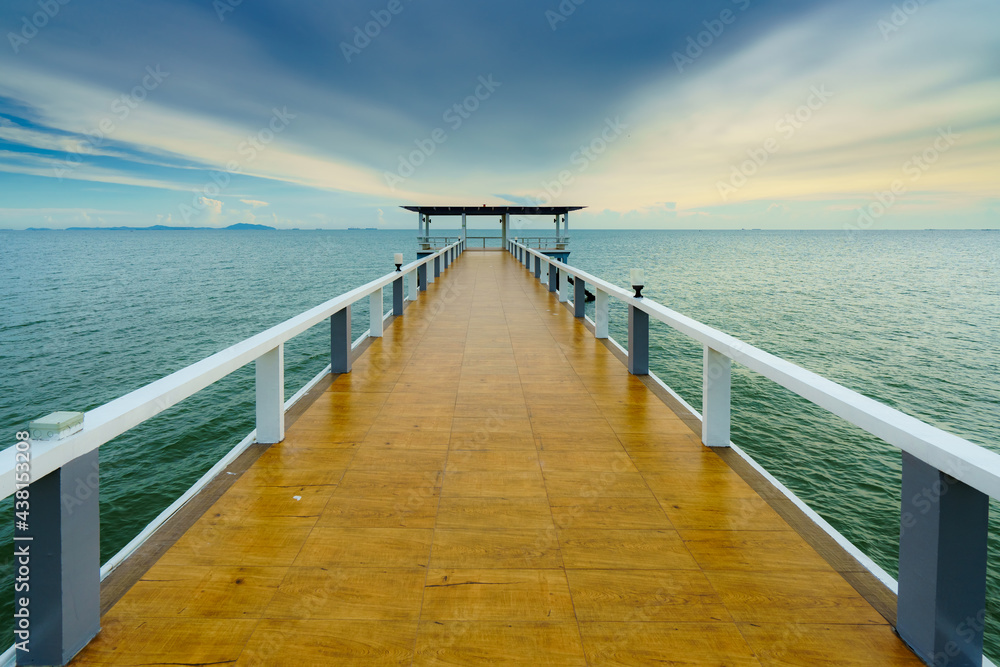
{"points": [[556, 246]]}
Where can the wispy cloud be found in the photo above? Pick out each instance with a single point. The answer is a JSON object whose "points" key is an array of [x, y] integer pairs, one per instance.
{"points": [[888, 102], [684, 133]]}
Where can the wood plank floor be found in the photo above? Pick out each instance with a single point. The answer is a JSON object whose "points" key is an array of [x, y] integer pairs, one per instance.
{"points": [[489, 485]]}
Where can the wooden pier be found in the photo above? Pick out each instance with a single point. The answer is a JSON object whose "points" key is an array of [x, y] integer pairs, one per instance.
{"points": [[489, 485]]}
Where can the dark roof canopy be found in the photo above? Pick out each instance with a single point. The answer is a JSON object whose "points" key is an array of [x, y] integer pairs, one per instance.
{"points": [[493, 210]]}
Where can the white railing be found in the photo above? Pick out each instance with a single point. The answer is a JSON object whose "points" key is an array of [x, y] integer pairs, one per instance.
{"points": [[110, 420], [439, 241], [543, 242], [479, 241], [943, 540]]}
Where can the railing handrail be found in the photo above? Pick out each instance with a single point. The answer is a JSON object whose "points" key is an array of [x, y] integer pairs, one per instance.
{"points": [[964, 460], [110, 420]]}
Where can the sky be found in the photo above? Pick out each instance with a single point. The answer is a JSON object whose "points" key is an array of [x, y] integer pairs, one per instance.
{"points": [[717, 114]]}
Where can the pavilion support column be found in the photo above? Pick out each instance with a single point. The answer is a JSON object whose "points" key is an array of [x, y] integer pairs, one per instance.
{"points": [[503, 229], [464, 229]]}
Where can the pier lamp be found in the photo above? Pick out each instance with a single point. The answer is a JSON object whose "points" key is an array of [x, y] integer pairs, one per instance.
{"points": [[398, 258], [638, 282]]}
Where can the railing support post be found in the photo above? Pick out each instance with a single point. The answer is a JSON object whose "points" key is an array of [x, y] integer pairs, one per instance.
{"points": [[65, 557], [563, 286], [270, 369], [538, 268], [422, 277], [941, 607], [397, 296], [340, 341], [579, 297], [601, 314], [553, 276], [716, 390], [376, 313], [437, 266], [638, 341]]}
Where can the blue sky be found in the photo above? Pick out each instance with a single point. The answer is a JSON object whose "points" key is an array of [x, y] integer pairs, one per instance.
{"points": [[717, 114]]}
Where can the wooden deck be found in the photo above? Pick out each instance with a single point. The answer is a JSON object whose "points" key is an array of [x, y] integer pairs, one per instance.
{"points": [[490, 485]]}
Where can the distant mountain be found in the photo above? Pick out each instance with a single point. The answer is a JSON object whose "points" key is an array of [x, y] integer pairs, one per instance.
{"points": [[246, 225], [240, 226]]}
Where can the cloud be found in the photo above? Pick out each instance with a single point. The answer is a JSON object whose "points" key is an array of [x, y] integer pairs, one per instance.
{"points": [[250, 143], [889, 100], [211, 210], [686, 131]]}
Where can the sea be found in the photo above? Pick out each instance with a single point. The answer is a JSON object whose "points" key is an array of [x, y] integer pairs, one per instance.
{"points": [[910, 318]]}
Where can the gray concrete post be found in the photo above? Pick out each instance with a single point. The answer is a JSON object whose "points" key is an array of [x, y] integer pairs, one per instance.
{"points": [[59, 557], [553, 276], [941, 607], [397, 296], [579, 297], [422, 277], [638, 341], [340, 341]]}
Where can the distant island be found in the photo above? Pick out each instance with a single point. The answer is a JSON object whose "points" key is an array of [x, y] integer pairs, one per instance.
{"points": [[362, 229], [155, 228]]}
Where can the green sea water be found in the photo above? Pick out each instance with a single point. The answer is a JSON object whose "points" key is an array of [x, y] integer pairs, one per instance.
{"points": [[909, 318]]}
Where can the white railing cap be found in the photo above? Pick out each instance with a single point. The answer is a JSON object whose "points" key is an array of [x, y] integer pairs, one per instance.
{"points": [[966, 461], [114, 418]]}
